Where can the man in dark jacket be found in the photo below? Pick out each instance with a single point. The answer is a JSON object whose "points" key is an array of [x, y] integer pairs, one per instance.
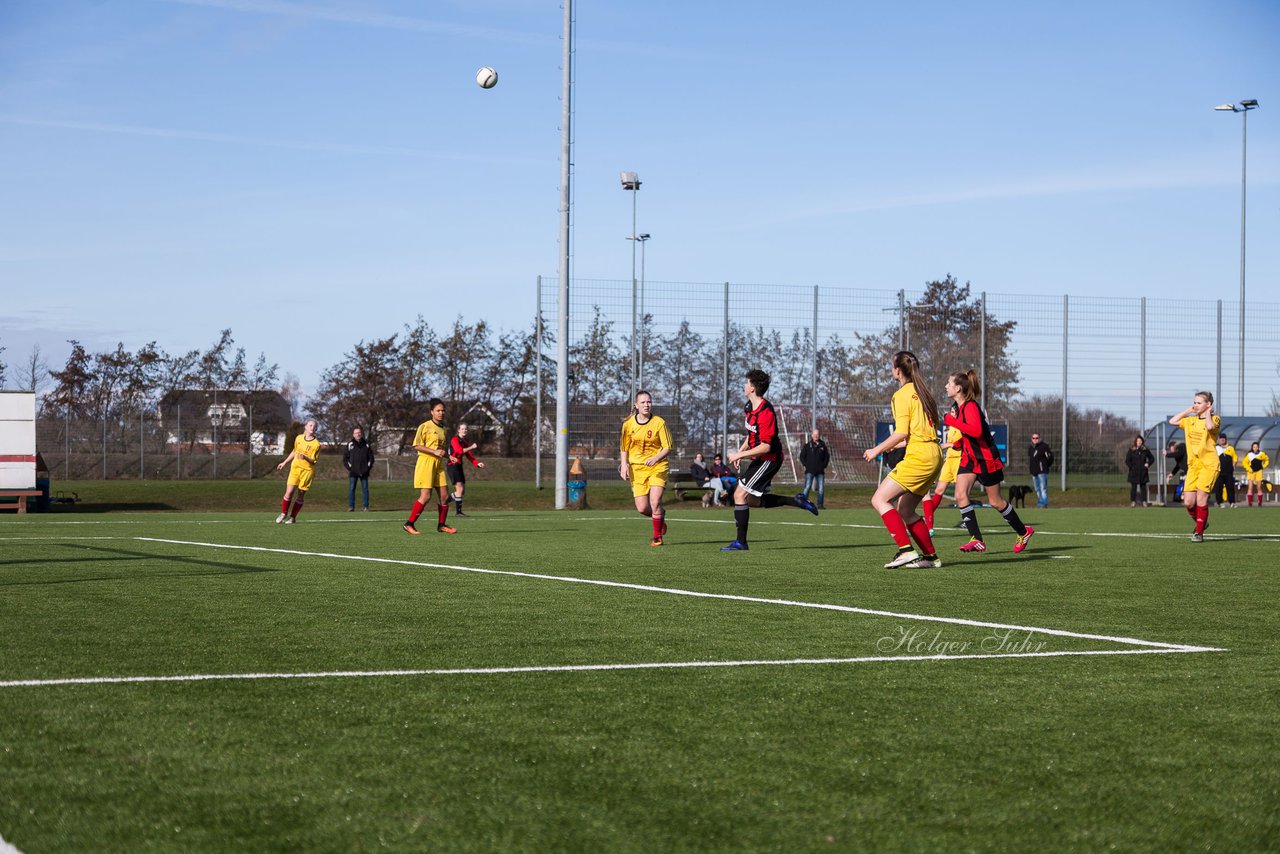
{"points": [[815, 457], [358, 460], [1041, 459]]}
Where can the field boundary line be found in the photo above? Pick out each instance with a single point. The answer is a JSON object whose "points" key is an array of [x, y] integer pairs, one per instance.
{"points": [[569, 668], [676, 591]]}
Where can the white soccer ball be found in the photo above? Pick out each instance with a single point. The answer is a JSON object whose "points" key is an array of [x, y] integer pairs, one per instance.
{"points": [[487, 78]]}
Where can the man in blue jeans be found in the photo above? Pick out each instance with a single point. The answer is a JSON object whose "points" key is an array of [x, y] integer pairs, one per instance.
{"points": [[815, 457], [357, 457], [1041, 460]]}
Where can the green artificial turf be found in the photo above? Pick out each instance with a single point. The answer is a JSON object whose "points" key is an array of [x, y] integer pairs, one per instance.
{"points": [[1156, 751]]}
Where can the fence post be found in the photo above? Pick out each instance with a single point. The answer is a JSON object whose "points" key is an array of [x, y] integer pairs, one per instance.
{"points": [[903, 338], [1217, 388], [66, 440], [1142, 370], [216, 420], [982, 349], [813, 385], [1066, 329], [104, 442], [142, 448], [179, 425], [250, 444], [537, 407], [724, 381]]}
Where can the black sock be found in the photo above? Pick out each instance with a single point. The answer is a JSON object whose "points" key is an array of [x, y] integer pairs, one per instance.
{"points": [[771, 500], [458, 501], [970, 519], [1011, 516], [741, 514]]}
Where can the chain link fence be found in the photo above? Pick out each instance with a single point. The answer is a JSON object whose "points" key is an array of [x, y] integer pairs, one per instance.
{"points": [[1088, 374]]}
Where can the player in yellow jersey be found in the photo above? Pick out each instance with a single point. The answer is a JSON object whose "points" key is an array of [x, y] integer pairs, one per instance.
{"points": [[915, 424], [645, 445], [1255, 466], [950, 469], [428, 473], [302, 468], [1200, 429]]}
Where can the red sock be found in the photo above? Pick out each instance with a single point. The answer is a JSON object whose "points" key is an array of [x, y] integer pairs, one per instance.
{"points": [[297, 508], [920, 533], [657, 526], [442, 513], [1191, 511], [284, 505], [1202, 518], [418, 507], [897, 528], [929, 505]]}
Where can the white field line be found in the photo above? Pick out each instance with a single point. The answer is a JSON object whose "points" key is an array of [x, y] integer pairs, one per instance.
{"points": [[570, 668], [675, 591], [6, 848]]}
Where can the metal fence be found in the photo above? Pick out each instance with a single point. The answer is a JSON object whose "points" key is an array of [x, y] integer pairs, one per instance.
{"points": [[1086, 373]]}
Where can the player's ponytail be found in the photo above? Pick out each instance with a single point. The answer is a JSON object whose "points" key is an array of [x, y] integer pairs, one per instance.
{"points": [[967, 382], [906, 362]]}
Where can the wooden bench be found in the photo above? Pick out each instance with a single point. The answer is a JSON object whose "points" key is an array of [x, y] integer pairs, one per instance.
{"points": [[680, 487], [22, 495]]}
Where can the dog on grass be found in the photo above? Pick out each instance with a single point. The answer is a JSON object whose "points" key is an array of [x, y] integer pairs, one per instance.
{"points": [[1018, 495]]}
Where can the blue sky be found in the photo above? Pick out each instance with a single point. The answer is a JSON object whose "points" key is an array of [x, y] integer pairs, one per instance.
{"points": [[311, 173]]}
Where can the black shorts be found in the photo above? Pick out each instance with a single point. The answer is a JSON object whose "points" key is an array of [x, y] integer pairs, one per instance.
{"points": [[986, 478], [758, 476], [455, 473]]}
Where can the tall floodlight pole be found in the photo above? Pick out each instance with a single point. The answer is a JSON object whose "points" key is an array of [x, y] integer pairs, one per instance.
{"points": [[631, 182], [562, 318], [1244, 108], [642, 239]]}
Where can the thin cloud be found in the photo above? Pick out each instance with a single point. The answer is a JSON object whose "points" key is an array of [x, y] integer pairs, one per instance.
{"points": [[364, 19], [424, 25], [1026, 188], [234, 139]]}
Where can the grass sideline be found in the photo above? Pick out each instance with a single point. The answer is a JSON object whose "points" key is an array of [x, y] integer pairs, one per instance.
{"points": [[262, 494], [1147, 752]]}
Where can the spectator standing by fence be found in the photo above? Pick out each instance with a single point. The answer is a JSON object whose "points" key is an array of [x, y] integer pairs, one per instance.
{"points": [[815, 456], [1225, 489], [1041, 460], [1255, 467], [1138, 461], [357, 458]]}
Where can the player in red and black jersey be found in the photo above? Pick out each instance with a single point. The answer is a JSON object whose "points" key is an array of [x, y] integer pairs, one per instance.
{"points": [[980, 461], [763, 451], [458, 450]]}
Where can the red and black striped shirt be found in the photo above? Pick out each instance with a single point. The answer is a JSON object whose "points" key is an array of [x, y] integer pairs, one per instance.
{"points": [[978, 451], [762, 427]]}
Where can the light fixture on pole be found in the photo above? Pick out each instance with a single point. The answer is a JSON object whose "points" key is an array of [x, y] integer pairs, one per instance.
{"points": [[1244, 108], [631, 182], [642, 239]]}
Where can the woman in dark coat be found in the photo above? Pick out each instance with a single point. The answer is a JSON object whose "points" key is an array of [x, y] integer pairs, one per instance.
{"points": [[1138, 461]]}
